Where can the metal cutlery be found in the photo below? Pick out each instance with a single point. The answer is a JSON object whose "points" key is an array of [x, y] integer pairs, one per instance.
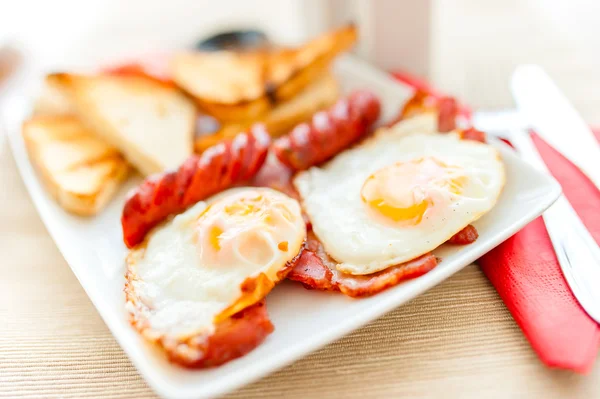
{"points": [[551, 115], [577, 252]]}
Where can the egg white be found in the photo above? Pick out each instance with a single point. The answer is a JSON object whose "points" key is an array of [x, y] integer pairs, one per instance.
{"points": [[178, 296], [363, 244]]}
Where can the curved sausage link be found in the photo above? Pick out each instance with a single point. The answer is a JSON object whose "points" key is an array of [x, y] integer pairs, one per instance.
{"points": [[199, 177], [329, 132]]}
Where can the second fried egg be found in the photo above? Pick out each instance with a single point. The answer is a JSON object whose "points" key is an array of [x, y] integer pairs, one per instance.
{"points": [[396, 197]]}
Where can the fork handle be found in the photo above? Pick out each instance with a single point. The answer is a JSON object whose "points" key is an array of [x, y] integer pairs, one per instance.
{"points": [[577, 252]]}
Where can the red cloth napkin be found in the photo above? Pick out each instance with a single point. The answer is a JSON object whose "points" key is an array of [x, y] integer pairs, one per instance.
{"points": [[525, 272]]}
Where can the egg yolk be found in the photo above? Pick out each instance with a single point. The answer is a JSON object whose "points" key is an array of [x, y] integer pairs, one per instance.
{"points": [[243, 230], [405, 191]]}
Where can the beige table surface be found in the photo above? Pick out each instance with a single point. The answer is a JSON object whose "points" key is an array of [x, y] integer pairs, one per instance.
{"points": [[457, 340]]}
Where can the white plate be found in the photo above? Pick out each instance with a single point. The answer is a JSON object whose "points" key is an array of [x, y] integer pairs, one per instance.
{"points": [[304, 320]]}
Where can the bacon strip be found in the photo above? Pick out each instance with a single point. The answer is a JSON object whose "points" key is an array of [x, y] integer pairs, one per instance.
{"points": [[447, 113], [466, 236], [200, 176], [419, 103], [329, 132], [447, 110], [473, 134], [422, 102], [317, 270], [232, 338]]}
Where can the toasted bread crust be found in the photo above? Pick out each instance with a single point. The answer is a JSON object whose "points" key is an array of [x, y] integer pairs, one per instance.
{"points": [[52, 101], [258, 82], [80, 172], [317, 270], [319, 95], [123, 109]]}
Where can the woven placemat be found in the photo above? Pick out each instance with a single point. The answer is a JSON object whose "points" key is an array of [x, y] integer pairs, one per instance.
{"points": [[458, 339]]}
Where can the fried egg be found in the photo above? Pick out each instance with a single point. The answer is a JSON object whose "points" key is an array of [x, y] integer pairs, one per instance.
{"points": [[398, 195], [215, 259]]}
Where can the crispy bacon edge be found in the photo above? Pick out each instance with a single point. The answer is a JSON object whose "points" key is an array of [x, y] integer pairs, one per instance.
{"points": [[466, 236], [422, 102], [447, 109], [233, 336], [317, 270], [473, 135]]}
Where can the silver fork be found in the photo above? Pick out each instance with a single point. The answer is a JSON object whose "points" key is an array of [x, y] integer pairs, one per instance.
{"points": [[577, 252]]}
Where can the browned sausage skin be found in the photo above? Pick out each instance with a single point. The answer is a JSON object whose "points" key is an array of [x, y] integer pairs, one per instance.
{"points": [[329, 132], [200, 176]]}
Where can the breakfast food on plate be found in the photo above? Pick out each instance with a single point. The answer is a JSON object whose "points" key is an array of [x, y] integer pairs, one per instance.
{"points": [[205, 266], [155, 67], [422, 103], [316, 269], [321, 94], [472, 134], [52, 101], [422, 106], [140, 108], [230, 338], [80, 171], [329, 132], [330, 202], [233, 86], [290, 70], [394, 198], [151, 123], [466, 236], [199, 177], [212, 264]]}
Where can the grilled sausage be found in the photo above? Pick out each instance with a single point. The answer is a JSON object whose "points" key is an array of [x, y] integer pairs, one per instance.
{"points": [[200, 176], [329, 132]]}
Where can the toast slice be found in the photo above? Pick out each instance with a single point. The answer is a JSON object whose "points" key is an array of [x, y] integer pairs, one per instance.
{"points": [[319, 95], [151, 123], [245, 86], [52, 101], [81, 171]]}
